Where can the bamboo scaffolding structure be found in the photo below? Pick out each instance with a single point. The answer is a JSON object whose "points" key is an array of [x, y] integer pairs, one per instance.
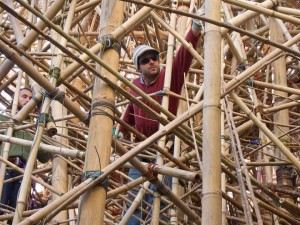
{"points": [[258, 45]]}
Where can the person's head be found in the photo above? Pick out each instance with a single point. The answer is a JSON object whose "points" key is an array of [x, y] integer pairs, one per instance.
{"points": [[25, 96], [146, 60]]}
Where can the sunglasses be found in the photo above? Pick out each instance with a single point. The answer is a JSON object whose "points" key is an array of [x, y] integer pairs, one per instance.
{"points": [[146, 60]]}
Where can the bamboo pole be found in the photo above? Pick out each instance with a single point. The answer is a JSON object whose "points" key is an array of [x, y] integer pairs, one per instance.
{"points": [[211, 119], [60, 166], [98, 153], [165, 104], [9, 132]]}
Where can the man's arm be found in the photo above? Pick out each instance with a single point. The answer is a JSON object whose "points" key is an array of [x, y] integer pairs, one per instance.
{"points": [[182, 61]]}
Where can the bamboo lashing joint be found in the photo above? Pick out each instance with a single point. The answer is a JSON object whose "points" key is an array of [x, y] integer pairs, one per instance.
{"points": [[48, 121], [109, 42], [102, 103], [150, 174], [94, 174]]}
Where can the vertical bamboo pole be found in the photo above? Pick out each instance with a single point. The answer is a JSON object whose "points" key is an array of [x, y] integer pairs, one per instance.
{"points": [[9, 132], [25, 185], [165, 104], [92, 204], [59, 166], [282, 117], [178, 190], [6, 147], [212, 198]]}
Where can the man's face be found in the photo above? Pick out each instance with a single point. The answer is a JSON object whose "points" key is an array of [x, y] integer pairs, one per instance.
{"points": [[24, 97], [149, 65]]}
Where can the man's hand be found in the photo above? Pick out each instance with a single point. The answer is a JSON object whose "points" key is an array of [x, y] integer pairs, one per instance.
{"points": [[197, 24]]}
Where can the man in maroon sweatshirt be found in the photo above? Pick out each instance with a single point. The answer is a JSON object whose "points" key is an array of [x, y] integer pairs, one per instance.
{"points": [[146, 60]]}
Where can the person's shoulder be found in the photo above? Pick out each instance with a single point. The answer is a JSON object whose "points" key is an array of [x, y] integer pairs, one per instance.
{"points": [[4, 117]]}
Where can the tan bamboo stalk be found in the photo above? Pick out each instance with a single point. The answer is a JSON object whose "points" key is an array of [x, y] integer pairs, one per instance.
{"points": [[15, 24], [165, 104], [286, 33], [223, 177], [223, 143], [269, 134], [9, 132], [8, 82], [211, 155], [238, 155], [98, 153], [31, 37], [135, 204], [25, 185], [280, 77], [178, 190], [71, 212], [60, 166]]}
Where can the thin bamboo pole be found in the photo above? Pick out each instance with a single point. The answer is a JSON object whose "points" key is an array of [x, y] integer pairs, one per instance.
{"points": [[9, 132], [165, 104], [60, 166]]}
